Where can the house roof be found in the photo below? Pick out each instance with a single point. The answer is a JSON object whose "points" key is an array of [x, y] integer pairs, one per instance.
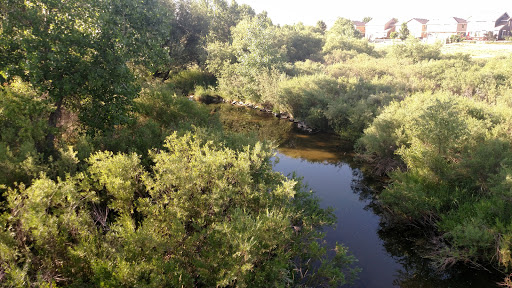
{"points": [[488, 17], [359, 23], [377, 21], [498, 28], [446, 21], [460, 20], [421, 20]]}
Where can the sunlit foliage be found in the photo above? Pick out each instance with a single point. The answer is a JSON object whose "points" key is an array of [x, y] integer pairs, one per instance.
{"points": [[202, 215]]}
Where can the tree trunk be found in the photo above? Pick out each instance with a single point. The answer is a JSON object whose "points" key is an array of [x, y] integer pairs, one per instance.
{"points": [[53, 120], [164, 75]]}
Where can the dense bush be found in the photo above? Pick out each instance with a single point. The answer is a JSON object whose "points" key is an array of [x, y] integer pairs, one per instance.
{"points": [[158, 112], [186, 81], [416, 51], [24, 126], [302, 95], [457, 154], [202, 215]]}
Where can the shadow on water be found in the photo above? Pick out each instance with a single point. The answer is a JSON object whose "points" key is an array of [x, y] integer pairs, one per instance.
{"points": [[389, 256]]}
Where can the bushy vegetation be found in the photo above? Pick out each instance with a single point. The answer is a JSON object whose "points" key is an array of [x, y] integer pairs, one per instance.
{"points": [[456, 153], [203, 214], [94, 190], [91, 92], [23, 122]]}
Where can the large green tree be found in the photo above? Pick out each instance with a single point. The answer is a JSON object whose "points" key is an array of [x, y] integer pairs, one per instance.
{"points": [[222, 16], [76, 53], [253, 61], [301, 42]]}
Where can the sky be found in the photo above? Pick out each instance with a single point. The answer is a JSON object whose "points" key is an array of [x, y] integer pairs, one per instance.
{"points": [[310, 12]]}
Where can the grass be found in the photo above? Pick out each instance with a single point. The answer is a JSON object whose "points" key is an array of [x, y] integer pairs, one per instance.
{"points": [[479, 49], [475, 50]]}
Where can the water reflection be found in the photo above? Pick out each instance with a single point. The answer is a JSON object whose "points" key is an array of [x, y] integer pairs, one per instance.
{"points": [[253, 122], [389, 257]]}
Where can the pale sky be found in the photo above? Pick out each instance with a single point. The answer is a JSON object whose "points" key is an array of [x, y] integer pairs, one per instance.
{"points": [[309, 12]]}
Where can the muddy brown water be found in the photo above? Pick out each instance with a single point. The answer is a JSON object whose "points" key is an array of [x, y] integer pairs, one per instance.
{"points": [[388, 257]]}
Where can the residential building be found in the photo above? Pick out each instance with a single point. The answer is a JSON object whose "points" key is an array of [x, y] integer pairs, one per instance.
{"points": [[380, 28], [480, 26], [360, 26], [418, 27], [444, 28]]}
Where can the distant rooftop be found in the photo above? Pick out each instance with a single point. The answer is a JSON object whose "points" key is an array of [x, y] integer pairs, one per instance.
{"points": [[421, 20], [460, 20], [488, 17]]}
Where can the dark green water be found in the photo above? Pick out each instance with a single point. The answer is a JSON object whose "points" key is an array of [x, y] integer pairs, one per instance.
{"points": [[388, 257]]}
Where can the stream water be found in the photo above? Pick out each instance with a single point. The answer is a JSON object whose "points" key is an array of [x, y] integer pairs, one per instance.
{"points": [[388, 258]]}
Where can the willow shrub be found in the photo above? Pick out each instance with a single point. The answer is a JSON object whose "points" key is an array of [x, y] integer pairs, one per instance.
{"points": [[23, 126], [157, 113], [304, 95], [202, 215], [185, 81], [458, 154], [416, 51]]}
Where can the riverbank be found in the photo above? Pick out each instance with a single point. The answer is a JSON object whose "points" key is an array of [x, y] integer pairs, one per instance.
{"points": [[388, 256], [301, 125]]}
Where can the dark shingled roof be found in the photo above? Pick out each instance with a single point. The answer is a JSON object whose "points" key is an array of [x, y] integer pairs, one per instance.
{"points": [[460, 20], [359, 23], [421, 20]]}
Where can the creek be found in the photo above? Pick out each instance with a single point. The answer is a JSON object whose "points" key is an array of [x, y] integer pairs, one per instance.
{"points": [[388, 258]]}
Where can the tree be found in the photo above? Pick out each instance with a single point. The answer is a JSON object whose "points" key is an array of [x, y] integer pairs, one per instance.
{"points": [[404, 31], [321, 26], [255, 58], [222, 16], [186, 37], [367, 19], [301, 42], [76, 54], [345, 28], [254, 44], [344, 36]]}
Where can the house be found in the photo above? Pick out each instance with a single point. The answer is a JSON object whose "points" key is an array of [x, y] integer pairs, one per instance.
{"points": [[480, 26], [444, 28], [380, 28], [418, 27], [360, 26]]}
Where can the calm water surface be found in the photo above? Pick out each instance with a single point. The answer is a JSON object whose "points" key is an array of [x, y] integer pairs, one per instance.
{"points": [[387, 257]]}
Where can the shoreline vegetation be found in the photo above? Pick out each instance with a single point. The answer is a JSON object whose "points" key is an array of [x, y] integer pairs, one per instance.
{"points": [[111, 177]]}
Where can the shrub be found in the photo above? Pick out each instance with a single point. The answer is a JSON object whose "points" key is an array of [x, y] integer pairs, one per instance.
{"points": [[202, 215], [158, 112], [457, 153], [456, 38], [24, 126], [489, 36], [416, 51], [206, 95], [308, 96], [185, 81]]}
